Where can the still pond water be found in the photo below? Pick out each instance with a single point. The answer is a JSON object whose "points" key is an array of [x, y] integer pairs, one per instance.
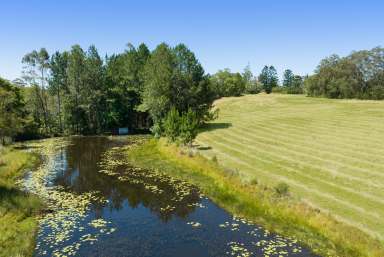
{"points": [[102, 206]]}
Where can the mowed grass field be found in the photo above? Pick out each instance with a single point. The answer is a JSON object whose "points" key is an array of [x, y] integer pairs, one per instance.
{"points": [[329, 152]]}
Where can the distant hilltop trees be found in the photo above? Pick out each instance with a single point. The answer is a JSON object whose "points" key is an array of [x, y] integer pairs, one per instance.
{"points": [[358, 75]]}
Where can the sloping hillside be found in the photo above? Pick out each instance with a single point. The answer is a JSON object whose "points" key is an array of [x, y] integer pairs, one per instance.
{"points": [[329, 152]]}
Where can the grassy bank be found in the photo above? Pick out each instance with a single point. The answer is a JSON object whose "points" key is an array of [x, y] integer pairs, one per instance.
{"points": [[17, 209], [282, 214]]}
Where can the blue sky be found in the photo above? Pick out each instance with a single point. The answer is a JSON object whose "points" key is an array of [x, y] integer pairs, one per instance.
{"points": [[223, 34]]}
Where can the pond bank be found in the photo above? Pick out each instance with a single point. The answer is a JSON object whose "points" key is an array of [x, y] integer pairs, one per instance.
{"points": [[18, 210], [284, 215], [99, 203]]}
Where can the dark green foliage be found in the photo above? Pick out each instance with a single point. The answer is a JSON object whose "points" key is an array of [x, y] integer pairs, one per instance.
{"points": [[268, 78], [89, 95], [358, 75], [188, 127], [12, 111], [159, 75], [175, 78], [182, 128], [292, 84], [254, 182], [172, 125], [375, 87], [288, 78], [58, 82], [226, 83], [340, 80]]}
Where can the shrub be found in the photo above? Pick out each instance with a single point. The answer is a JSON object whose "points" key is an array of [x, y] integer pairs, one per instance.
{"points": [[253, 88], [172, 125], [214, 159], [282, 189], [156, 130], [188, 127], [254, 181]]}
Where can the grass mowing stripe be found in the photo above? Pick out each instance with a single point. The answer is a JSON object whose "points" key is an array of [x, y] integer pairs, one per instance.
{"points": [[351, 215], [300, 136], [287, 148], [368, 182], [287, 110], [308, 115], [324, 123], [266, 133], [358, 141], [345, 193], [316, 171]]}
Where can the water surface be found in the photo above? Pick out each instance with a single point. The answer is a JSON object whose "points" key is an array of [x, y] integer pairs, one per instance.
{"points": [[102, 206]]}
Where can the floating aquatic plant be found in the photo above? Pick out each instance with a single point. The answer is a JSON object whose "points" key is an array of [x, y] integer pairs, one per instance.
{"points": [[176, 193], [67, 210]]}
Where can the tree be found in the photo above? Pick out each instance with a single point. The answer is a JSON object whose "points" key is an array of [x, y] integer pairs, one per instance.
{"points": [[251, 84], [288, 78], [369, 62], [87, 94], [12, 110], [94, 99], [58, 82], [293, 84], [188, 127], [226, 83], [181, 127], [375, 87], [297, 85], [328, 62], [125, 85], [268, 78], [247, 75], [340, 80], [157, 94], [76, 72], [36, 74], [174, 77], [172, 125], [358, 75]]}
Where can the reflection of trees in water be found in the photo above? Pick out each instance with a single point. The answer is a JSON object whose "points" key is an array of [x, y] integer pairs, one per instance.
{"points": [[81, 175]]}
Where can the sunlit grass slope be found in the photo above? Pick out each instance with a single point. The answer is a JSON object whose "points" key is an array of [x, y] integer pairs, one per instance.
{"points": [[17, 209], [329, 152]]}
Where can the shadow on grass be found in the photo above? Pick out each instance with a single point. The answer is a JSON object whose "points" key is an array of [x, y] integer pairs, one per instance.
{"points": [[10, 195], [12, 199], [203, 148], [24, 147], [215, 126]]}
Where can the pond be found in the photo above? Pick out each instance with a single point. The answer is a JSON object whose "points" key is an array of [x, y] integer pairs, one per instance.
{"points": [[98, 204]]}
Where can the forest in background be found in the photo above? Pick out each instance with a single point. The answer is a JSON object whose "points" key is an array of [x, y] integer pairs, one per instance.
{"points": [[165, 90]]}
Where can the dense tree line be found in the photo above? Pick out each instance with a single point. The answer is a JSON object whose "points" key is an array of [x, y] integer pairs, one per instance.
{"points": [[359, 75], [227, 83], [293, 84], [78, 92], [13, 115]]}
